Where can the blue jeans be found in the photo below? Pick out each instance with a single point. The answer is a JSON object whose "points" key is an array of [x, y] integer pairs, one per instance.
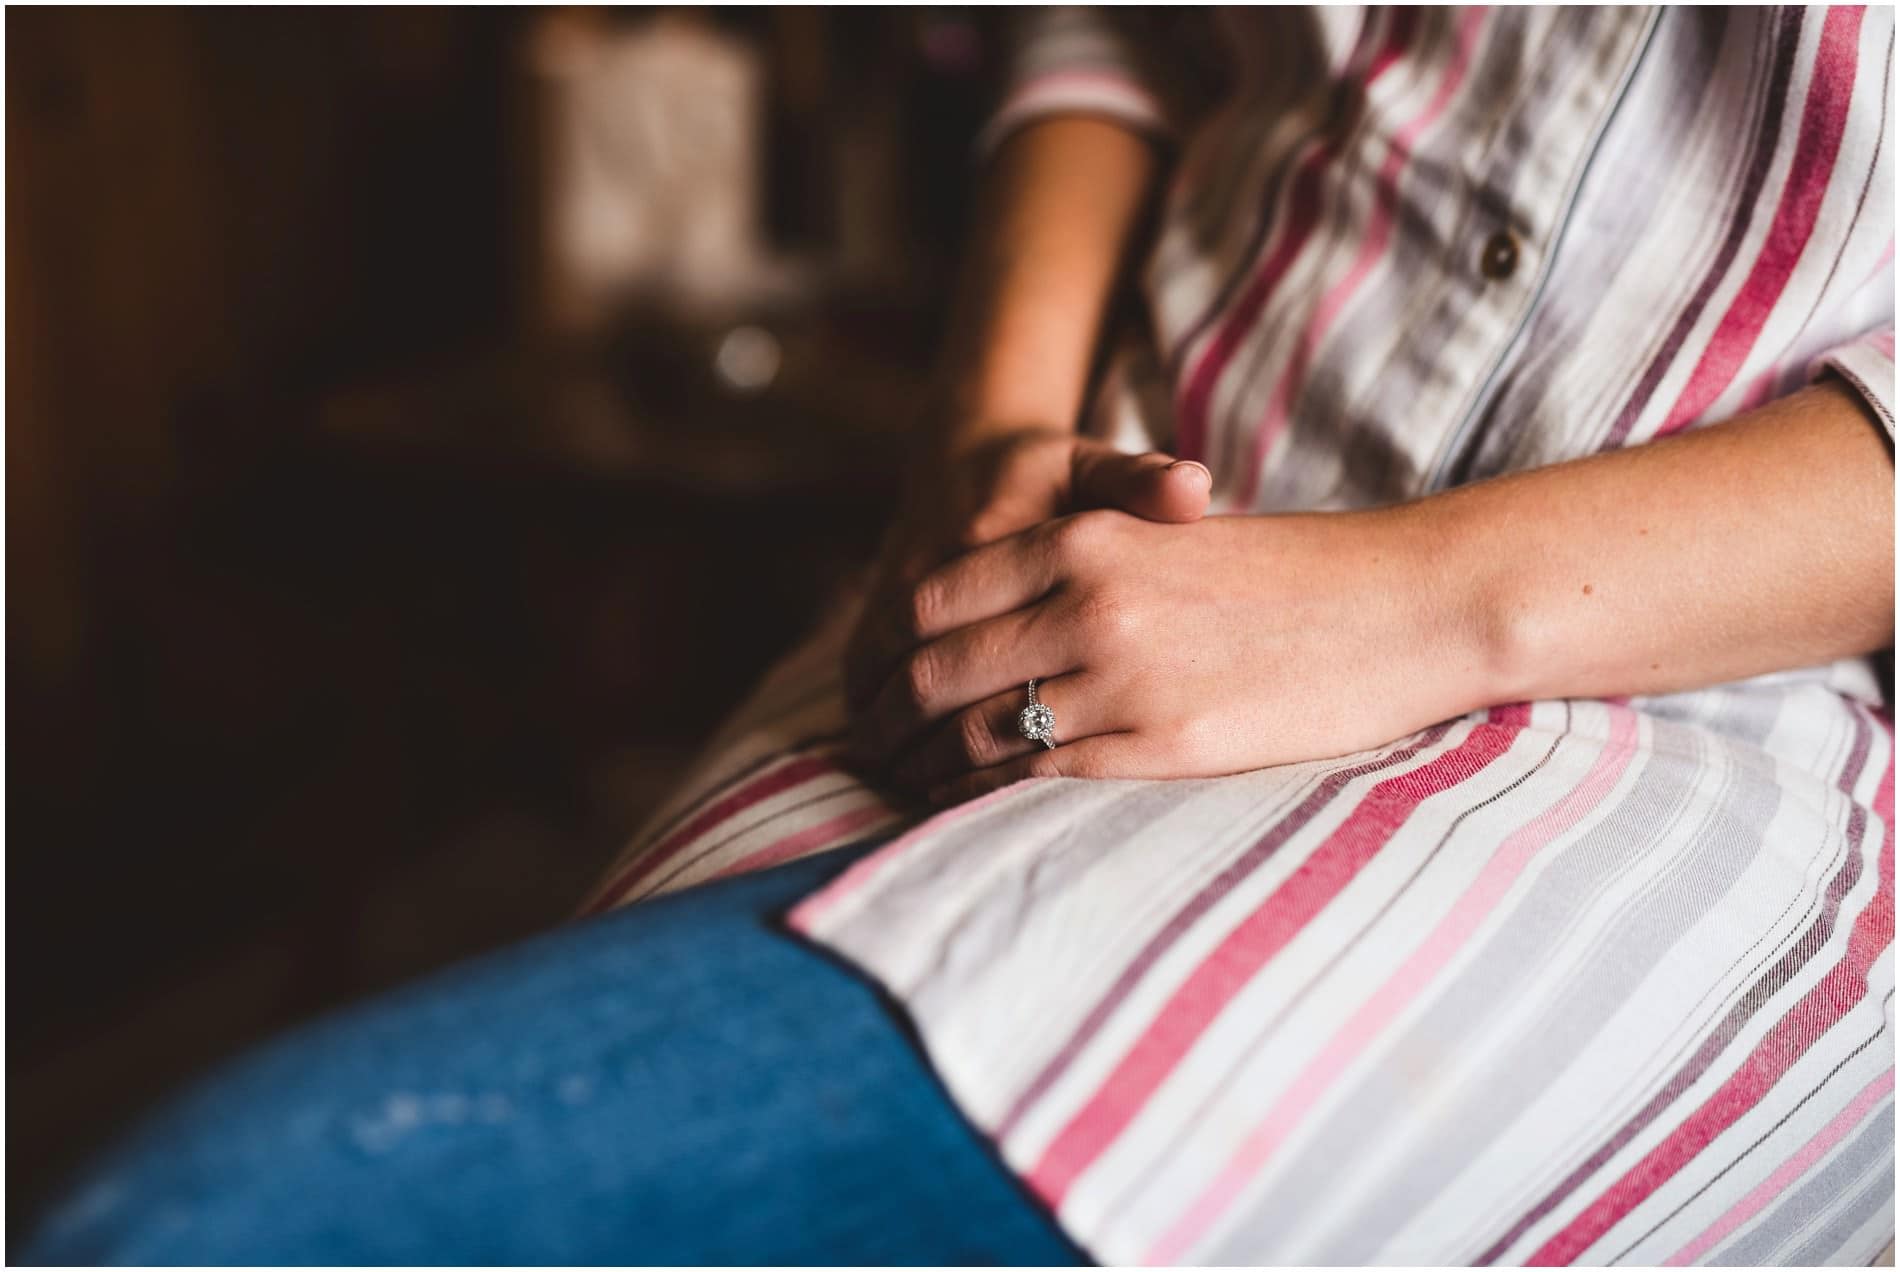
{"points": [[676, 1083]]}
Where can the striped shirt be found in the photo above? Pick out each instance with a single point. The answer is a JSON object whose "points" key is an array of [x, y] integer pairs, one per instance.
{"points": [[1567, 981]]}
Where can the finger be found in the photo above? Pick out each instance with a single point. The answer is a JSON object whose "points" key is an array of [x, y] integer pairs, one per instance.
{"points": [[1153, 486], [989, 733], [1104, 755], [982, 584], [873, 646], [959, 669]]}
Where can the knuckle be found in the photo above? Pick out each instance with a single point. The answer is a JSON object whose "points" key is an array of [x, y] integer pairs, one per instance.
{"points": [[1108, 618], [1024, 458], [984, 527], [1084, 537], [921, 677], [1191, 738], [1047, 764], [976, 739], [921, 607]]}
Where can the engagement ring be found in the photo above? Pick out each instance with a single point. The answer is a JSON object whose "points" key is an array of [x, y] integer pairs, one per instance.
{"points": [[1037, 722]]}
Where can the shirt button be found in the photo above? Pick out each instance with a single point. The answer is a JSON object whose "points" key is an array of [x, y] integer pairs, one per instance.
{"points": [[1498, 260]]}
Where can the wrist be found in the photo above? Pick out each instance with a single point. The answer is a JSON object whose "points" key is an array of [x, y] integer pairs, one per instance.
{"points": [[1479, 633], [956, 433], [974, 402], [1475, 599]]}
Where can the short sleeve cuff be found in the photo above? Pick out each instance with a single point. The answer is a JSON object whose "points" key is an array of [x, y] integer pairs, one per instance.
{"points": [[1075, 61], [1867, 365]]}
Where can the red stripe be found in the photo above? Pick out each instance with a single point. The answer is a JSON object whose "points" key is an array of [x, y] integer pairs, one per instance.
{"points": [[1303, 211], [772, 783], [1823, 122], [1263, 934], [1822, 1007], [807, 840], [806, 916], [1374, 242]]}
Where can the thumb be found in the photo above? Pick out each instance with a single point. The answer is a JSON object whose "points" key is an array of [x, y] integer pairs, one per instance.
{"points": [[1153, 486]]}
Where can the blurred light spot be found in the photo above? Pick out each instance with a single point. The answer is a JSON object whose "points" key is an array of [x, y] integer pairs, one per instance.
{"points": [[748, 359]]}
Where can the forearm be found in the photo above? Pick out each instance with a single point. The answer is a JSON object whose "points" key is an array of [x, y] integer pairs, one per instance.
{"points": [[1757, 545], [1060, 203]]}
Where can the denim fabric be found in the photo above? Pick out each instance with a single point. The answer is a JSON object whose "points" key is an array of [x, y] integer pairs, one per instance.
{"points": [[675, 1083]]}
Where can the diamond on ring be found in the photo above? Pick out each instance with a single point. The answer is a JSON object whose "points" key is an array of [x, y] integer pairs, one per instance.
{"points": [[1037, 722]]}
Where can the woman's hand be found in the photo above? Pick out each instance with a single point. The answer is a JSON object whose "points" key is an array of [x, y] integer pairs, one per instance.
{"points": [[1173, 651], [1757, 545], [1010, 481]]}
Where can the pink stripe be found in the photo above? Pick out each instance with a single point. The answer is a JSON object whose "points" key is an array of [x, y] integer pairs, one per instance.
{"points": [[1411, 980], [1302, 216], [1070, 92], [807, 840], [1057, 82], [1844, 986], [1823, 120], [1792, 1169], [773, 782], [1762, 389], [1261, 935], [1378, 236], [1879, 265], [806, 916]]}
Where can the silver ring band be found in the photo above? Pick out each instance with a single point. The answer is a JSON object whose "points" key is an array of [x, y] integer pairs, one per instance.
{"points": [[1036, 722]]}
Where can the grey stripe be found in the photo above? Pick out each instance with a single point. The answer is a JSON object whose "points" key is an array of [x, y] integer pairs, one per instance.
{"points": [[1747, 203], [1060, 864], [1826, 1245], [1745, 61], [1273, 325], [1556, 221], [687, 862], [1191, 1125], [1295, 85], [1630, 950], [1406, 323], [1801, 1206], [1868, 1200], [1619, 205], [990, 918], [1395, 316]]}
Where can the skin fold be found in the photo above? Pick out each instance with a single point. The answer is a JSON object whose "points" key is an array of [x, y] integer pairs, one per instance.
{"points": [[1170, 644]]}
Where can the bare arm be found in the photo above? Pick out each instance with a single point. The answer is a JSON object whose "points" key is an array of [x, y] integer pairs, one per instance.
{"points": [[1762, 543], [1759, 544], [1000, 452], [1059, 205]]}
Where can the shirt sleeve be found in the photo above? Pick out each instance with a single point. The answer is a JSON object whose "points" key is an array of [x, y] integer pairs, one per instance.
{"points": [[1078, 61], [1866, 363]]}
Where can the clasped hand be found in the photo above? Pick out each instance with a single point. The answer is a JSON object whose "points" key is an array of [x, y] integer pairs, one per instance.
{"points": [[1167, 644]]}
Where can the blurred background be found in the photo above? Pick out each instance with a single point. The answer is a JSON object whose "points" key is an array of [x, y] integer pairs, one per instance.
{"points": [[421, 425]]}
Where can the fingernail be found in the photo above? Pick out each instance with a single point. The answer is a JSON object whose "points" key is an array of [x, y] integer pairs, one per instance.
{"points": [[1197, 471]]}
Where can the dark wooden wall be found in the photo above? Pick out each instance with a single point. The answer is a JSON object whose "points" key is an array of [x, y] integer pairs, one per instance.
{"points": [[329, 660]]}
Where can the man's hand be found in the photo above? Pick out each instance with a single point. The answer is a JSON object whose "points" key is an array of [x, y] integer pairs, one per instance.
{"points": [[1010, 482]]}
